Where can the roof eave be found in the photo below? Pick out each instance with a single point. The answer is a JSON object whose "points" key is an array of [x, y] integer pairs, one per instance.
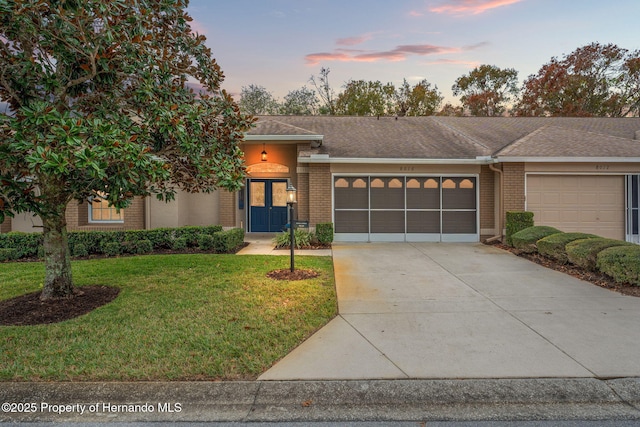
{"points": [[283, 138], [565, 159], [324, 158]]}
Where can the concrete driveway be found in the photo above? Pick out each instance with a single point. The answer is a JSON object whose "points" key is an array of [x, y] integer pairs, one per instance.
{"points": [[425, 310]]}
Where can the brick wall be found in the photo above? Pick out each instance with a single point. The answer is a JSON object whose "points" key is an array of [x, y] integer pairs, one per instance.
{"points": [[302, 207], [513, 175], [487, 198], [319, 193], [228, 208], [78, 217]]}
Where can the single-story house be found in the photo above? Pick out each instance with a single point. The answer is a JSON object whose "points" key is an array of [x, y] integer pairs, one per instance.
{"points": [[412, 179]]}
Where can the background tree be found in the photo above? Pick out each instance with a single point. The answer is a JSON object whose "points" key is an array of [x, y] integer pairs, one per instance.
{"points": [[99, 107], [300, 102], [593, 80], [418, 100], [365, 98], [256, 100], [449, 109], [325, 92], [486, 90]]}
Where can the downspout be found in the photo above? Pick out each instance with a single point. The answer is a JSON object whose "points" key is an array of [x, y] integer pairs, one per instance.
{"points": [[500, 204], [147, 213]]}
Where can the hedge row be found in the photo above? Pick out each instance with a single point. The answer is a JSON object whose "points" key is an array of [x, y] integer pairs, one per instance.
{"points": [[16, 245], [616, 258]]}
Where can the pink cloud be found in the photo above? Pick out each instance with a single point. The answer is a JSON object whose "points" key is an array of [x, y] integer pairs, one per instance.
{"points": [[352, 41], [470, 7], [400, 53]]}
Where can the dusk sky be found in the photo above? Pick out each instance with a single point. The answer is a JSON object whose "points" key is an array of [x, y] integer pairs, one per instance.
{"points": [[280, 44]]}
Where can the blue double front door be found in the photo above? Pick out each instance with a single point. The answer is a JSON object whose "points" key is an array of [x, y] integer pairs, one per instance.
{"points": [[267, 205]]}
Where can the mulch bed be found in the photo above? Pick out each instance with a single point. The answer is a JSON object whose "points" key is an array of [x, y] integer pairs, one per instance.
{"points": [[596, 278], [30, 310], [296, 274]]}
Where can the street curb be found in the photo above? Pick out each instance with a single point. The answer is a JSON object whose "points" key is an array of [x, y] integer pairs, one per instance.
{"points": [[367, 400]]}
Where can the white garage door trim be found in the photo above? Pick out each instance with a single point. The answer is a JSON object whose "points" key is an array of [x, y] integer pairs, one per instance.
{"points": [[402, 214], [621, 209]]}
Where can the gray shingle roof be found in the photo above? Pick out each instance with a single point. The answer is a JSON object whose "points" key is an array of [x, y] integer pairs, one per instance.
{"points": [[555, 141], [460, 137]]}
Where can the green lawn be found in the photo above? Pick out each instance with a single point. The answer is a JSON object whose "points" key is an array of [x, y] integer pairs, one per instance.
{"points": [[178, 317]]}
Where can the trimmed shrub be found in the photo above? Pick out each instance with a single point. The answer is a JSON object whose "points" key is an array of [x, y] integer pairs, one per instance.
{"points": [[525, 240], [228, 241], [191, 233], [554, 246], [144, 246], [112, 248], [301, 239], [324, 233], [517, 221], [584, 252], [622, 263], [8, 254], [160, 238], [79, 249], [24, 244], [205, 242], [179, 244]]}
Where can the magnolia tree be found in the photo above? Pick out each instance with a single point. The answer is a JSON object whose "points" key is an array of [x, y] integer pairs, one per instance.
{"points": [[101, 104]]}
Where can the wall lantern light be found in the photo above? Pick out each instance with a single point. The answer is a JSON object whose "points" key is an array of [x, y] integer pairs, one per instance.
{"points": [[263, 155]]}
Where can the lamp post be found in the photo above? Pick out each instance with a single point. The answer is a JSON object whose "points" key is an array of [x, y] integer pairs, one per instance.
{"points": [[291, 199]]}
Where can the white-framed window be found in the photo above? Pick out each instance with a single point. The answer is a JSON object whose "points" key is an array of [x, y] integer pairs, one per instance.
{"points": [[101, 212]]}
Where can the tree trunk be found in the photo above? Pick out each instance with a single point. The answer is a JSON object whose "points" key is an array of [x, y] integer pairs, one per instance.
{"points": [[57, 281]]}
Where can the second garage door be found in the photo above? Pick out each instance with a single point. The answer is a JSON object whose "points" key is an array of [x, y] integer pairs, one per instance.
{"points": [[586, 203]]}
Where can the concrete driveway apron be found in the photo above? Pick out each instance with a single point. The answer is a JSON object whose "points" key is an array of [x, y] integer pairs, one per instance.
{"points": [[437, 310]]}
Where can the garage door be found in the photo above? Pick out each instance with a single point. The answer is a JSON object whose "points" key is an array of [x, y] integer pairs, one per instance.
{"points": [[586, 203], [405, 208]]}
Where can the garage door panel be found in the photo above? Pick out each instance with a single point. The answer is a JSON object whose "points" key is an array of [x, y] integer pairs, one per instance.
{"points": [[387, 222], [550, 198], [351, 222], [587, 203]]}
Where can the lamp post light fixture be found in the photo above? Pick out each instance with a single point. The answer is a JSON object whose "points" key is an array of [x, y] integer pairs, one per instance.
{"points": [[291, 199]]}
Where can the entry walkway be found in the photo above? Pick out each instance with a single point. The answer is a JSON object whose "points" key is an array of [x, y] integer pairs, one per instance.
{"points": [[262, 244], [464, 311]]}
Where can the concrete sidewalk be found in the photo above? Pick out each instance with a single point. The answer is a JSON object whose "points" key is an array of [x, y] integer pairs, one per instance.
{"points": [[262, 244], [425, 311]]}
